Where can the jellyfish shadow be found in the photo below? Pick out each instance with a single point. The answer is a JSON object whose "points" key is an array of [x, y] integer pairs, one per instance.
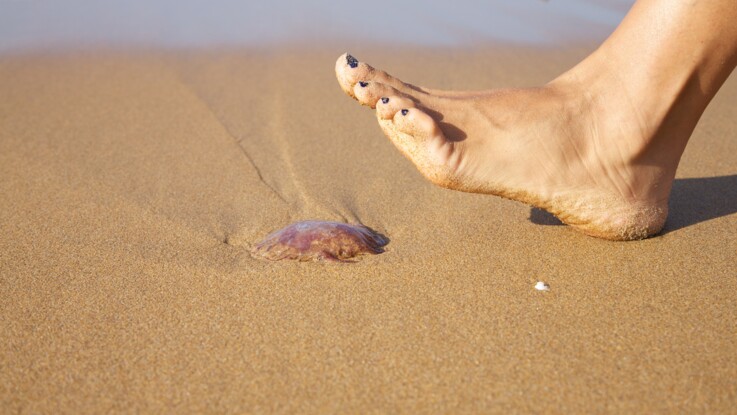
{"points": [[692, 201]]}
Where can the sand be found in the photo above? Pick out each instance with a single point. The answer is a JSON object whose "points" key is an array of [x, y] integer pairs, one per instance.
{"points": [[134, 183]]}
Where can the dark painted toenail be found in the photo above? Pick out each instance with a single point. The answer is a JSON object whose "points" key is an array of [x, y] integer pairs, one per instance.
{"points": [[363, 84], [404, 112], [385, 100], [351, 61]]}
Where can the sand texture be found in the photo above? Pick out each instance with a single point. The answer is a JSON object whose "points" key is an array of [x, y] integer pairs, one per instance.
{"points": [[134, 184]]}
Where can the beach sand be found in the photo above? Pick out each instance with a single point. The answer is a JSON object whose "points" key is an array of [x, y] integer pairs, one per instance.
{"points": [[134, 183]]}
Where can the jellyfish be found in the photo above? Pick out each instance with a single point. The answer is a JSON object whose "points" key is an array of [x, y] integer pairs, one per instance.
{"points": [[320, 241]]}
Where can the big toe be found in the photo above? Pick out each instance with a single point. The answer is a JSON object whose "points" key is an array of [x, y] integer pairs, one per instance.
{"points": [[350, 71]]}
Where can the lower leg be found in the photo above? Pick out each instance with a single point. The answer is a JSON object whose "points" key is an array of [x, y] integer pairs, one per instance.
{"points": [[667, 59], [598, 146]]}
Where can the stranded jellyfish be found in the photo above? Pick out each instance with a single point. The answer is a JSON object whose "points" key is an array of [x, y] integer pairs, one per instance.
{"points": [[320, 241]]}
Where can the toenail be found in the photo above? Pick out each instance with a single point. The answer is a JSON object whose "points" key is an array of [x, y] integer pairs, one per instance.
{"points": [[363, 84], [384, 100], [351, 61], [405, 111]]}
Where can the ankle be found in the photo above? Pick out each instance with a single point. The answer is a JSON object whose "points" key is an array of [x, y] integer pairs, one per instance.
{"points": [[626, 129], [625, 97]]}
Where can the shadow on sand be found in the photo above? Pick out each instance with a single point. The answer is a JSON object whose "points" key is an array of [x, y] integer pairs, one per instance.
{"points": [[691, 201]]}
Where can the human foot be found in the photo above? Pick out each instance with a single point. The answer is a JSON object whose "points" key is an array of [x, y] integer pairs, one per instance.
{"points": [[575, 149]]}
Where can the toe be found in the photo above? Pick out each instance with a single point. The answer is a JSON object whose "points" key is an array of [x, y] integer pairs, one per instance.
{"points": [[370, 93], [350, 71], [388, 105], [420, 138], [416, 123]]}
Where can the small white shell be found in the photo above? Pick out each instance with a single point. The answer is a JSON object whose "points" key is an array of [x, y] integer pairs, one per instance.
{"points": [[542, 286]]}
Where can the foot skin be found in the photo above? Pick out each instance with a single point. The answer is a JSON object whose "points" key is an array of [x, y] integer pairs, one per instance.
{"points": [[564, 147]]}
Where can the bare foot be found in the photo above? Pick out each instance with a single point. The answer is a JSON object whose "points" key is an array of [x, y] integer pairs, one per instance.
{"points": [[577, 147]]}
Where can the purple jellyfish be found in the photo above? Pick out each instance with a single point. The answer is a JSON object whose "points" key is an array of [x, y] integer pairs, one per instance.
{"points": [[320, 241]]}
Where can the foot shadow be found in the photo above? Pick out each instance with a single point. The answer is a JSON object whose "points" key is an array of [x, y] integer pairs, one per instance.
{"points": [[700, 199], [691, 201], [543, 217]]}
